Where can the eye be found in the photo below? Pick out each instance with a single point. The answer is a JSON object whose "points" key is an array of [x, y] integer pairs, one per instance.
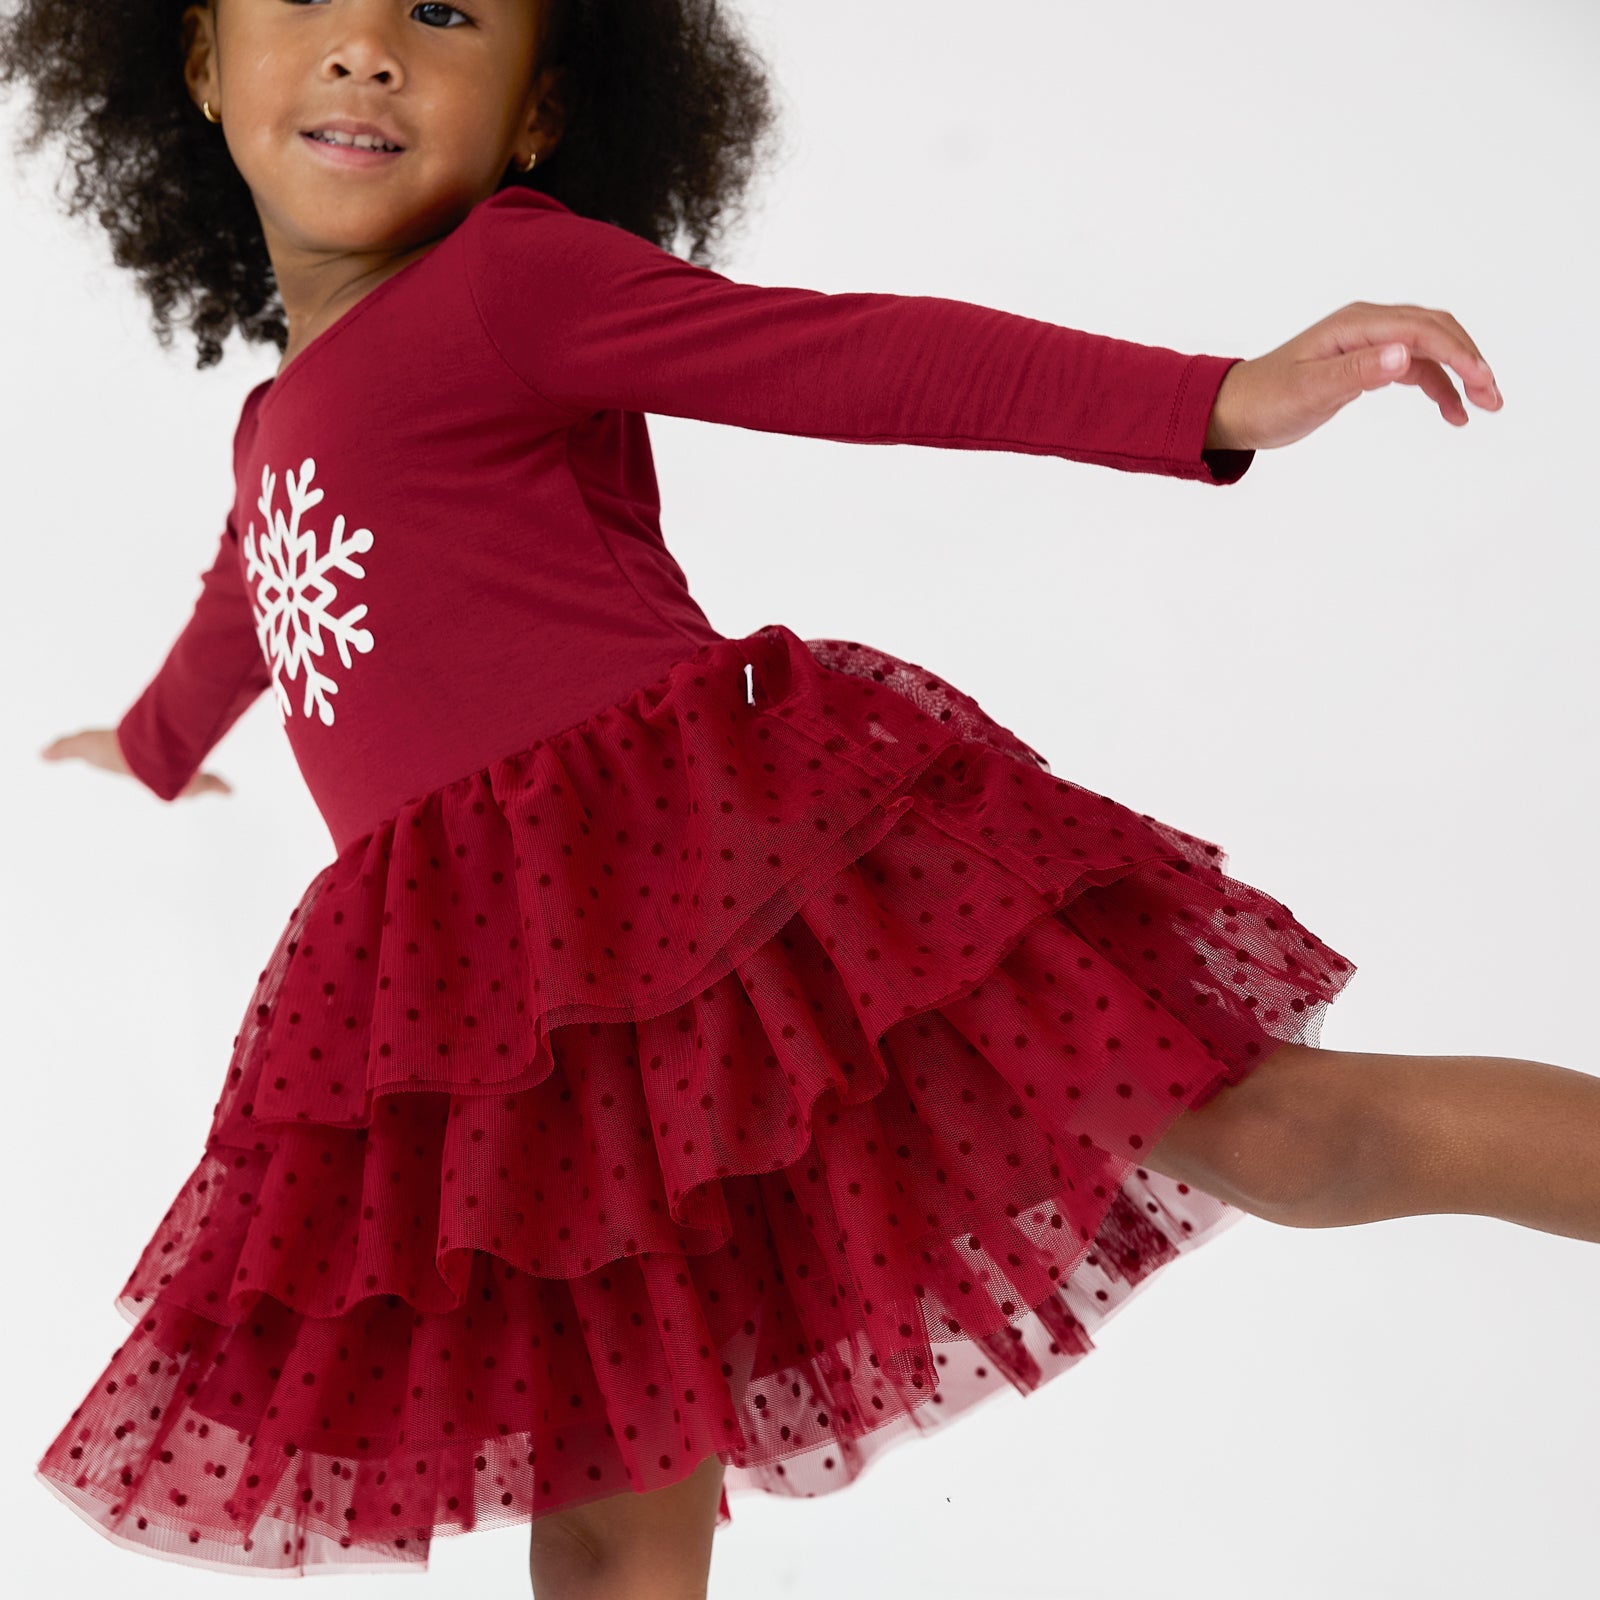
{"points": [[428, 5]]}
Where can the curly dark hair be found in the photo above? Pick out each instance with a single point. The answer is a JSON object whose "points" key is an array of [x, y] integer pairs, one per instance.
{"points": [[668, 110]]}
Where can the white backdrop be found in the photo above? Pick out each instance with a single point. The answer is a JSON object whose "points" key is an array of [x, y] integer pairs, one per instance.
{"points": [[1368, 671]]}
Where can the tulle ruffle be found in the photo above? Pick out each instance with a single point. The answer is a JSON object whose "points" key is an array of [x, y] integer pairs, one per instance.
{"points": [[759, 1068]]}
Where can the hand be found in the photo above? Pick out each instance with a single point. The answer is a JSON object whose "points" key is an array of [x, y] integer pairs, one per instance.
{"points": [[99, 747], [1291, 391]]}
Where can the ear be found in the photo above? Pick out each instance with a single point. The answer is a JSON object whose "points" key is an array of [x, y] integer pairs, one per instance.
{"points": [[198, 40], [547, 114]]}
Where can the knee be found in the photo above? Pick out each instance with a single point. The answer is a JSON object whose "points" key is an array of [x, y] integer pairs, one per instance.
{"points": [[1296, 1142], [1316, 1161], [644, 1544], [565, 1559], [1300, 1171]]}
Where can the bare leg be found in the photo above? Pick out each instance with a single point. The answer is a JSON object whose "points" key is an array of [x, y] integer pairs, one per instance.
{"points": [[645, 1546], [1490, 1136], [1328, 1138]]}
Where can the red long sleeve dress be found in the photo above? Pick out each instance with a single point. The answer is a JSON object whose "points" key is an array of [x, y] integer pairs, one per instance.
{"points": [[697, 1045]]}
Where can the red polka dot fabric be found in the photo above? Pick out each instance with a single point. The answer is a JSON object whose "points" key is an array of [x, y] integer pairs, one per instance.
{"points": [[759, 1068]]}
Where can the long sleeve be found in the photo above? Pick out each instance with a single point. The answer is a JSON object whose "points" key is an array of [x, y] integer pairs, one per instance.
{"points": [[211, 675], [590, 316]]}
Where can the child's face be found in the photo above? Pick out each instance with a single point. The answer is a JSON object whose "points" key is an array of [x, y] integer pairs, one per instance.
{"points": [[451, 85]]}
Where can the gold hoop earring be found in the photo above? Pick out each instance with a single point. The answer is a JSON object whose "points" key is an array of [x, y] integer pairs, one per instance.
{"points": [[533, 156], [210, 115]]}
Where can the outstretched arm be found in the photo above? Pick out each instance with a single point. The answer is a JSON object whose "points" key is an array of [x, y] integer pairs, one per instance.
{"points": [[590, 317]]}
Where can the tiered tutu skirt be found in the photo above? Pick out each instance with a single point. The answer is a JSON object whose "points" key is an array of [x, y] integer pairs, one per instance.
{"points": [[759, 1068]]}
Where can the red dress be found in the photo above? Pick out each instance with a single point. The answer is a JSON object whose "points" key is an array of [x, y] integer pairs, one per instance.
{"points": [[697, 1045]]}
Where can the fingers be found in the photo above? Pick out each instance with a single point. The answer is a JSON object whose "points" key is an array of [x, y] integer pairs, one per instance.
{"points": [[1435, 336], [1450, 324], [1435, 382], [204, 782], [97, 746]]}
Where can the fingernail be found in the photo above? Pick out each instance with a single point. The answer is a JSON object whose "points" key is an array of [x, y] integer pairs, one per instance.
{"points": [[1494, 389], [1393, 358]]}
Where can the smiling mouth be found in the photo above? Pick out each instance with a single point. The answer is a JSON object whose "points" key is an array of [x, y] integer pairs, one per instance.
{"points": [[349, 141]]}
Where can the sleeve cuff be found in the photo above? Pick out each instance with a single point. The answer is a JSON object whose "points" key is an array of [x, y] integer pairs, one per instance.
{"points": [[1191, 416], [1227, 466], [159, 782]]}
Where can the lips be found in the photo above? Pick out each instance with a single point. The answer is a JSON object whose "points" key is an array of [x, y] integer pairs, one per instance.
{"points": [[349, 134]]}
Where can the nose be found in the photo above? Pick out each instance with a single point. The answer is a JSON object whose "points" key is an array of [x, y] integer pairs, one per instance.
{"points": [[362, 46]]}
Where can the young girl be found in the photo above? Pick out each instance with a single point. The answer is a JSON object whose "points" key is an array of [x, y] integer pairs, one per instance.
{"points": [[706, 1061]]}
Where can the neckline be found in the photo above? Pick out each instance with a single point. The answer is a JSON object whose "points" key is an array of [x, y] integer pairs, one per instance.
{"points": [[268, 387], [272, 384]]}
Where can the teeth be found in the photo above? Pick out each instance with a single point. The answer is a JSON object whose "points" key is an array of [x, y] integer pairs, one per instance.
{"points": [[362, 141]]}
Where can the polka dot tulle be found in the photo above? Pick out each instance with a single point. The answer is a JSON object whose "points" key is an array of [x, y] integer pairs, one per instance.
{"points": [[763, 1078]]}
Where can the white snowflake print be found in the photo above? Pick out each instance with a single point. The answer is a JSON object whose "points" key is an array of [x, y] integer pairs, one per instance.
{"points": [[293, 592]]}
